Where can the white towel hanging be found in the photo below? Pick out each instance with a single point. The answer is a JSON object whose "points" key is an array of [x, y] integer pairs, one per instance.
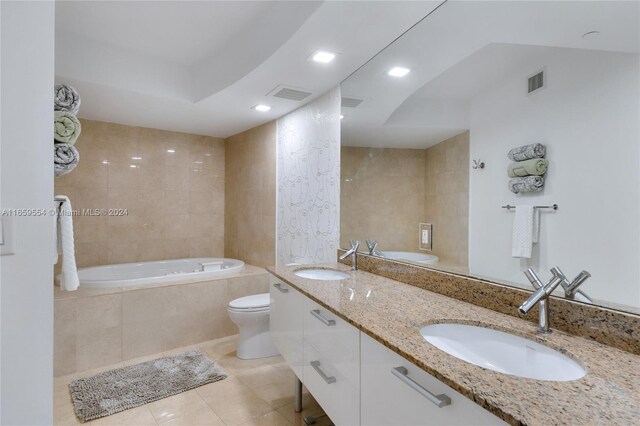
{"points": [[64, 245], [523, 231]]}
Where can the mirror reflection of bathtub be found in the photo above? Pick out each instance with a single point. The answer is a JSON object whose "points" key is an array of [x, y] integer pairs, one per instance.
{"points": [[407, 256]]}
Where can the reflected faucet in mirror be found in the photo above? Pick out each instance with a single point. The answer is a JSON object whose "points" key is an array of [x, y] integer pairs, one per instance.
{"points": [[372, 246], [353, 252], [543, 291]]}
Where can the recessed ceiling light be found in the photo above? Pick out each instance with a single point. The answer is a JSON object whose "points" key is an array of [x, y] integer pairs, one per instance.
{"points": [[398, 71], [105, 162], [262, 108], [171, 151], [342, 116], [133, 166], [136, 158], [323, 56], [591, 34]]}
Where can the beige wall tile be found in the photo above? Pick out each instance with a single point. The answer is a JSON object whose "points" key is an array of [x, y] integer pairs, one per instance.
{"points": [[250, 188], [122, 175], [431, 186], [447, 200], [98, 348], [382, 196], [176, 177], [100, 312], [89, 254], [161, 184], [64, 338]]}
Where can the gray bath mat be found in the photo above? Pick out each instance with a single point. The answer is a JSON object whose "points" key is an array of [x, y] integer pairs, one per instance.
{"points": [[128, 387]]}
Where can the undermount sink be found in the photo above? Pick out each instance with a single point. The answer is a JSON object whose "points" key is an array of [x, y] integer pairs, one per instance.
{"points": [[502, 352], [322, 274]]}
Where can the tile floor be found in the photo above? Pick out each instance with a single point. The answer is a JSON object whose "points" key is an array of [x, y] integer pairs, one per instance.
{"points": [[256, 392]]}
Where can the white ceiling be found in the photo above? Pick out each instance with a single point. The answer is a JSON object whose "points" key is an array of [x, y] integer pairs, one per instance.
{"points": [[199, 67], [461, 45]]}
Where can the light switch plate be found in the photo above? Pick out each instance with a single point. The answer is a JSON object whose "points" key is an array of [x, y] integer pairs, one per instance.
{"points": [[7, 239], [425, 239]]}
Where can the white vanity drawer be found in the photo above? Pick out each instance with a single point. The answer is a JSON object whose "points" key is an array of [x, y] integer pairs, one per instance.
{"points": [[402, 398], [339, 398], [286, 323], [334, 338]]}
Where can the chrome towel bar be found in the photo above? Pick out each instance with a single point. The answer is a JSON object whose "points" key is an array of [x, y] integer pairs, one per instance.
{"points": [[554, 207]]}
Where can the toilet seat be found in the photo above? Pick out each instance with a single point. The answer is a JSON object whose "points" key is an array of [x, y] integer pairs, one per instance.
{"points": [[253, 303]]}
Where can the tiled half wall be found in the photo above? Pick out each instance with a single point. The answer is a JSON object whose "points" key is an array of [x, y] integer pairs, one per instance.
{"points": [[95, 327]]}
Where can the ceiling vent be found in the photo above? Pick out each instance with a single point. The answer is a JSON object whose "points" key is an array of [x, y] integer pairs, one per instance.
{"points": [[535, 82], [351, 102], [289, 93]]}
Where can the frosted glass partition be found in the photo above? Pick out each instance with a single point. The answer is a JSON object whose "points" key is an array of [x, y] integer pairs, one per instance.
{"points": [[308, 182]]}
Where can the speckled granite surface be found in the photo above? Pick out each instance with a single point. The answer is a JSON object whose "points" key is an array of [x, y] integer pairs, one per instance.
{"points": [[613, 328], [393, 313]]}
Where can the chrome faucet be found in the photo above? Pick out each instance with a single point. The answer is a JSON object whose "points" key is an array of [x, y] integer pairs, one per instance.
{"points": [[372, 244], [353, 252], [543, 291]]}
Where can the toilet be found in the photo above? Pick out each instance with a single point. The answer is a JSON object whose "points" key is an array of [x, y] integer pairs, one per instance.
{"points": [[251, 315]]}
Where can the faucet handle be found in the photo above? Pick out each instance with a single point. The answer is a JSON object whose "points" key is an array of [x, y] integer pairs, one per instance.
{"points": [[570, 290], [533, 278], [355, 244], [558, 274], [371, 245]]}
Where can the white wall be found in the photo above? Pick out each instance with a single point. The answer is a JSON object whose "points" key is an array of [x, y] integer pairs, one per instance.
{"points": [[26, 181], [588, 117], [308, 182]]}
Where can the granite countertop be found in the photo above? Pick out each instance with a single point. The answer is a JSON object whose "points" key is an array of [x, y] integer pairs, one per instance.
{"points": [[393, 313]]}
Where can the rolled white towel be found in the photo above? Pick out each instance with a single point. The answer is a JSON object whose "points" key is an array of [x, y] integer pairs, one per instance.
{"points": [[65, 98], [66, 127], [65, 158]]}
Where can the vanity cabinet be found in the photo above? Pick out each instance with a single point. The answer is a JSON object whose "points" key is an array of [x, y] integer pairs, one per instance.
{"points": [[286, 323], [356, 379], [331, 363], [396, 392]]}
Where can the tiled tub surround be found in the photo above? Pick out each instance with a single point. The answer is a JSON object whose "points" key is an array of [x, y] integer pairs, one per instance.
{"points": [[174, 194], [393, 313], [606, 326], [97, 327]]}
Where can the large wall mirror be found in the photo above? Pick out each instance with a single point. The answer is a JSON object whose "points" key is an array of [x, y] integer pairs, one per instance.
{"points": [[428, 124]]}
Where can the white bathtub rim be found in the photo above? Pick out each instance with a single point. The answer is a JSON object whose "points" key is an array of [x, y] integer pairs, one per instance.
{"points": [[160, 280]]}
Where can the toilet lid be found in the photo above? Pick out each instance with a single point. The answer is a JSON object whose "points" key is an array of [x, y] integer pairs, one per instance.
{"points": [[251, 302]]}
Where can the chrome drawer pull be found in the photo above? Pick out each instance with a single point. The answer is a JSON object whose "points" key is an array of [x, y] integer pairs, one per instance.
{"points": [[441, 400], [328, 379], [327, 322], [282, 289]]}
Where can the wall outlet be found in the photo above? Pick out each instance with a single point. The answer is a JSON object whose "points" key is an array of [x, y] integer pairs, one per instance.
{"points": [[426, 236]]}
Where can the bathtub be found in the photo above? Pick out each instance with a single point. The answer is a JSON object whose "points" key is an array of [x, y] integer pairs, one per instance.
{"points": [[157, 272]]}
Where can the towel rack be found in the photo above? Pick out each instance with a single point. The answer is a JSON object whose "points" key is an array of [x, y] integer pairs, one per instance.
{"points": [[59, 200], [553, 206]]}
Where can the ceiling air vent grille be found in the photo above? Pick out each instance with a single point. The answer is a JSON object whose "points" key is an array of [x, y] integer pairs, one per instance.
{"points": [[351, 102], [535, 82], [291, 94]]}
